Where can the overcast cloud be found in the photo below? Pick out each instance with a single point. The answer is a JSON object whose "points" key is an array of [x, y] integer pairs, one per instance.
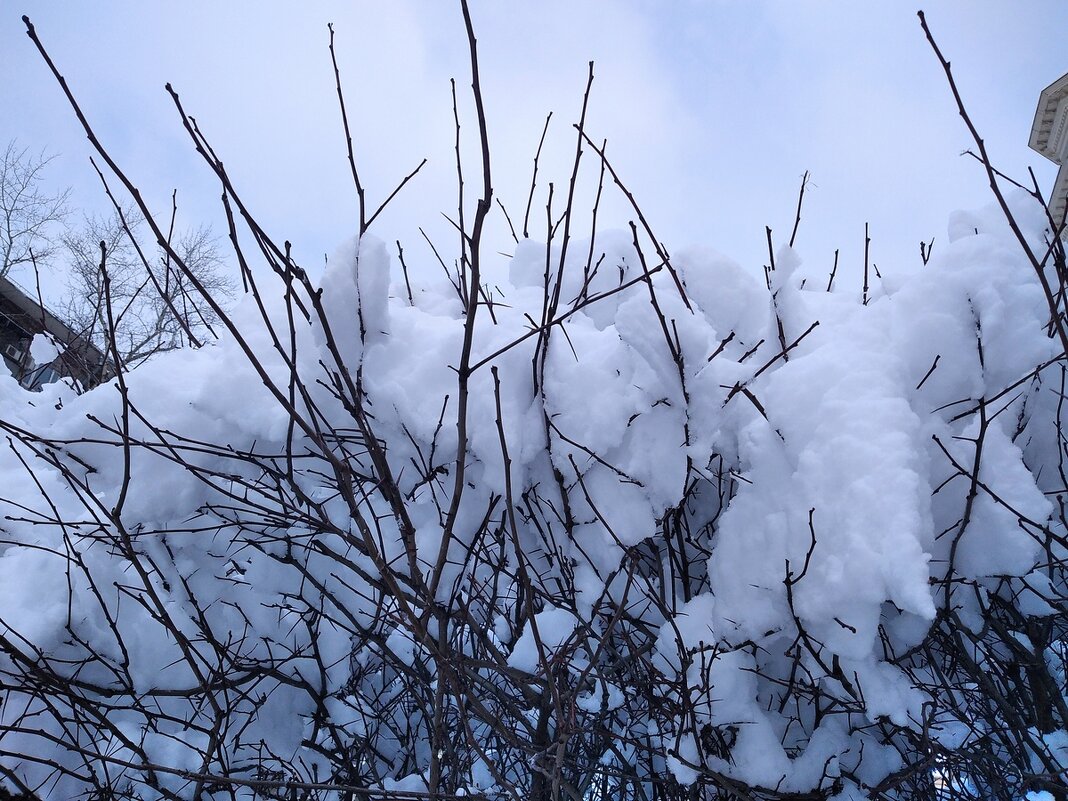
{"points": [[712, 110]]}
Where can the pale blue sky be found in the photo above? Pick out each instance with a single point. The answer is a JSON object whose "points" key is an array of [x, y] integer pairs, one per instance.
{"points": [[713, 110]]}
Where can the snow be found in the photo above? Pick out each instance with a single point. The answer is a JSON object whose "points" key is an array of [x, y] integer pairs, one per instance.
{"points": [[838, 458], [43, 349], [540, 641]]}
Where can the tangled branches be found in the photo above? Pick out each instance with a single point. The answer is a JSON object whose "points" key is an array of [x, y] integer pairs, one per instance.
{"points": [[612, 536]]}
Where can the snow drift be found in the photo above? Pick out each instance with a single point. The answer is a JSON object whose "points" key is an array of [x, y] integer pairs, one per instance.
{"points": [[703, 530]]}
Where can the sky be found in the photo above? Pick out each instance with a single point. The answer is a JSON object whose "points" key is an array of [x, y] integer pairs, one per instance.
{"points": [[712, 112]]}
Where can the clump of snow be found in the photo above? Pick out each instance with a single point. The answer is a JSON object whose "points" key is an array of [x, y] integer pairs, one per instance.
{"points": [[821, 491], [543, 637], [43, 349]]}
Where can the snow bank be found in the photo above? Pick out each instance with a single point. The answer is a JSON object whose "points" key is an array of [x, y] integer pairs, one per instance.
{"points": [[817, 489]]}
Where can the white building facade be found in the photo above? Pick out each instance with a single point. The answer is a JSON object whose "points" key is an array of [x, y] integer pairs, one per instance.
{"points": [[1049, 136]]}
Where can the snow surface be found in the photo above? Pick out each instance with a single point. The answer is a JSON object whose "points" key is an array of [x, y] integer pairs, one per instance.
{"points": [[834, 454]]}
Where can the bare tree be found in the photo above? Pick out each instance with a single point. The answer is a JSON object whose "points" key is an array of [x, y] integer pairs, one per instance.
{"points": [[154, 306], [29, 214]]}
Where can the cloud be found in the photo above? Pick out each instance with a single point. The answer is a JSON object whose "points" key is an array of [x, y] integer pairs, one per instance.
{"points": [[712, 110]]}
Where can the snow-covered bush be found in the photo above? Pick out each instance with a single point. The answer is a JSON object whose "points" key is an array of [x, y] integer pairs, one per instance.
{"points": [[635, 525]]}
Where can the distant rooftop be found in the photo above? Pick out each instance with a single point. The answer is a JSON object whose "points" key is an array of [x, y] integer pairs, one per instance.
{"points": [[21, 317]]}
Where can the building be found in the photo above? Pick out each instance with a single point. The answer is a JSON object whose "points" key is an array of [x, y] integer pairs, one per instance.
{"points": [[21, 318], [1049, 136]]}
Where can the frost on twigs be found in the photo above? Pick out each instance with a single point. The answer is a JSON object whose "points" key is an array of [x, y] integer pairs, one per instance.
{"points": [[594, 522]]}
